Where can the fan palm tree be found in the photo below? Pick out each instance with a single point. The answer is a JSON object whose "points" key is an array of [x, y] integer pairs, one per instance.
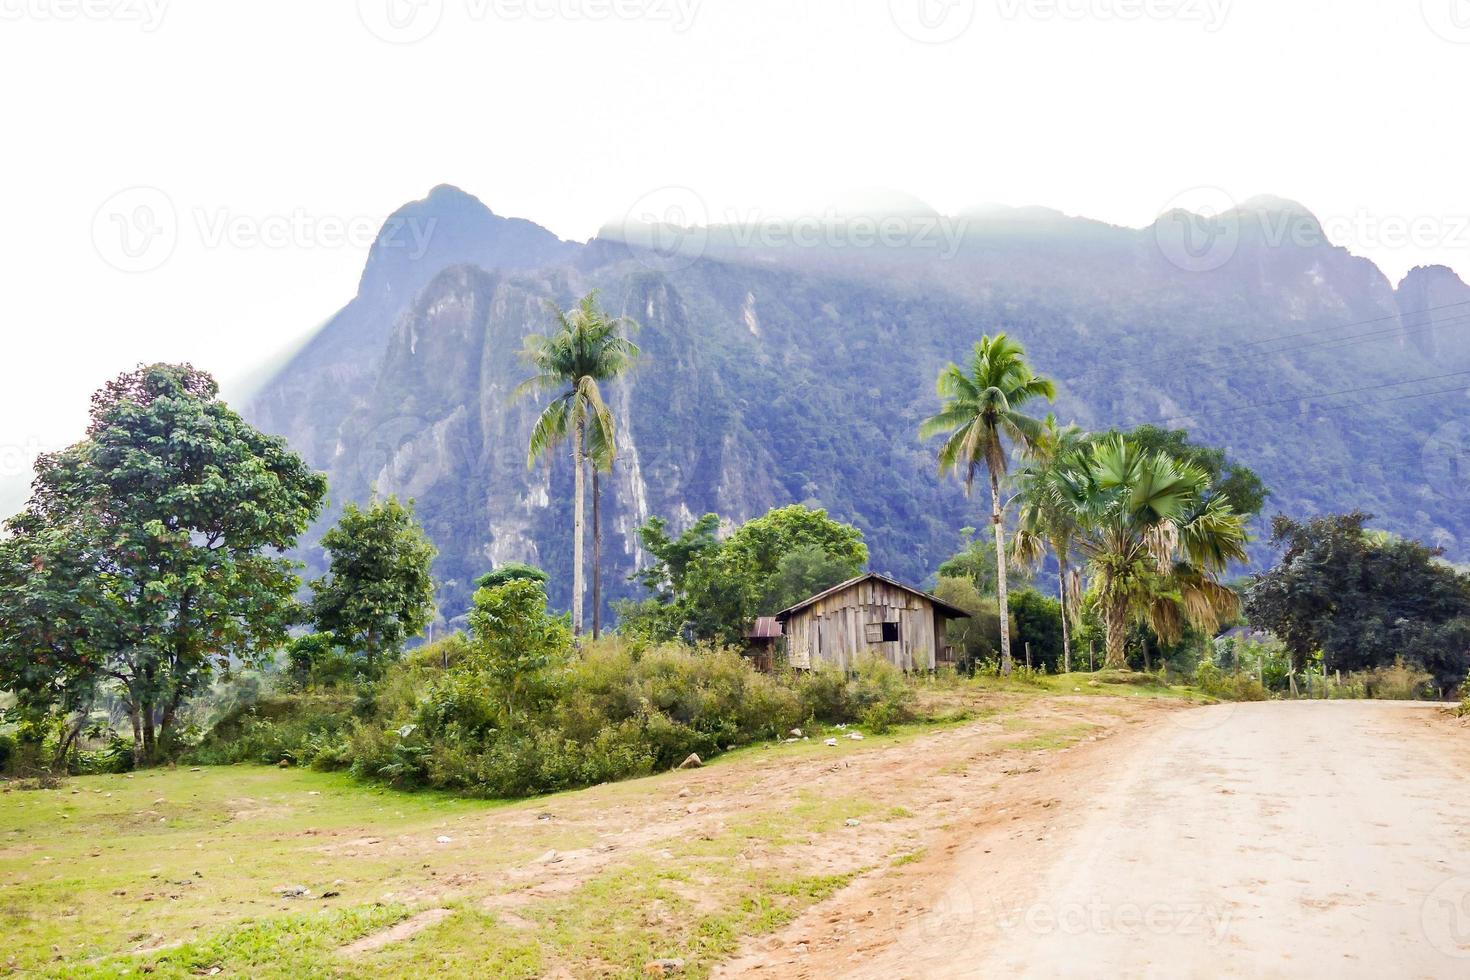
{"points": [[980, 410], [1155, 540], [586, 349], [1045, 519]]}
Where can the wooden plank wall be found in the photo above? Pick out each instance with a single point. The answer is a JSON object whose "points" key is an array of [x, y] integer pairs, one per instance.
{"points": [[833, 631]]}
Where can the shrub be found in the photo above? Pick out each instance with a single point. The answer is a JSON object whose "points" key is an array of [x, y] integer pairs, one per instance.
{"points": [[1228, 685]]}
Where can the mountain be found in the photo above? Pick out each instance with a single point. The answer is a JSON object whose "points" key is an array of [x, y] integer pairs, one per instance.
{"points": [[793, 361]]}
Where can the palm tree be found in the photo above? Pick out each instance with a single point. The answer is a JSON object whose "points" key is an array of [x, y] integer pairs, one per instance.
{"points": [[979, 411], [1155, 538], [586, 349], [1045, 520]]}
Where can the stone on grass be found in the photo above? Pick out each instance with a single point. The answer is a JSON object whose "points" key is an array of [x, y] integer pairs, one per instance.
{"points": [[692, 762], [664, 968]]}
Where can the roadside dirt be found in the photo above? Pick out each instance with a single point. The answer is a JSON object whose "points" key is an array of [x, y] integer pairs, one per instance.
{"points": [[1274, 839], [919, 791]]}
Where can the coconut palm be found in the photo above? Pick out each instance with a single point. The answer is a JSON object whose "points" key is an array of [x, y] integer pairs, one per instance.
{"points": [[1046, 521], [1154, 537], [980, 410], [586, 349]]}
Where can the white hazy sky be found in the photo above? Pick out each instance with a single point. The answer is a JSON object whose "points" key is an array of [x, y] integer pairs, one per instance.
{"points": [[305, 123]]}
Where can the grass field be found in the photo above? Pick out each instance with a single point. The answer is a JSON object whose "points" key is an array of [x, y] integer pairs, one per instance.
{"points": [[177, 873]]}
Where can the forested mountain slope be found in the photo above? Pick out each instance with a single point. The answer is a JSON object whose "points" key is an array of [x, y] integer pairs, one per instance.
{"points": [[776, 371]]}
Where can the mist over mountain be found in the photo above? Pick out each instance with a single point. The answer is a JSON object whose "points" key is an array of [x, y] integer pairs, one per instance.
{"points": [[792, 359]]}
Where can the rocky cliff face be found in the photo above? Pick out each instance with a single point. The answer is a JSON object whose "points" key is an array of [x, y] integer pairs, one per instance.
{"points": [[774, 372]]}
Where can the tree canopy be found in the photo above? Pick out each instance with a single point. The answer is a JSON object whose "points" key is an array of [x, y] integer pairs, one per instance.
{"points": [[149, 553], [378, 592], [1363, 599]]}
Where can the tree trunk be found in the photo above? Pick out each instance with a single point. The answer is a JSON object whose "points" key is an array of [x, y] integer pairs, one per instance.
{"points": [[1148, 668], [150, 741], [1066, 627], [596, 555], [137, 718], [1000, 575], [1115, 623], [63, 747], [578, 585]]}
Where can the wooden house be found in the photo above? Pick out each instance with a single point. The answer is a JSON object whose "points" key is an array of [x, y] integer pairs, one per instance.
{"points": [[871, 614]]}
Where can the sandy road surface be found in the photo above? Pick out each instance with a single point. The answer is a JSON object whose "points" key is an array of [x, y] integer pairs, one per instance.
{"points": [[1276, 839]]}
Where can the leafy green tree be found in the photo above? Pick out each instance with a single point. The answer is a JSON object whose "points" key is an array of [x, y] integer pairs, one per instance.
{"points": [[512, 571], [1362, 599], [586, 350], [378, 591], [802, 572], [980, 409], [1038, 621], [156, 541], [725, 587], [516, 646], [1046, 520], [672, 557], [974, 562], [715, 589], [977, 638]]}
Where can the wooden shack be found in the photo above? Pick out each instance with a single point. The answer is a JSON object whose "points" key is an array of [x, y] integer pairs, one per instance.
{"points": [[761, 641], [871, 614]]}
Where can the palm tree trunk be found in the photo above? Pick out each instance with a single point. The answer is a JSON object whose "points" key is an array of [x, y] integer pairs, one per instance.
{"points": [[1066, 627], [596, 557], [578, 586], [1000, 574], [1115, 623]]}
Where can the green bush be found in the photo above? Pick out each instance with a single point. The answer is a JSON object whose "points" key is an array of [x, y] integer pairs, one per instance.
{"points": [[1228, 685]]}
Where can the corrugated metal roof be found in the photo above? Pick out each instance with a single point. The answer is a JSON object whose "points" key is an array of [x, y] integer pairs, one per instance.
{"points": [[765, 628], [953, 612]]}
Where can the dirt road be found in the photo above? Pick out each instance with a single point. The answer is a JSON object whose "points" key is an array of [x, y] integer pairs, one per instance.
{"points": [[1276, 839]]}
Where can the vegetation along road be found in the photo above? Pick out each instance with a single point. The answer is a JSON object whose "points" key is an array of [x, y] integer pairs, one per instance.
{"points": [[1254, 839]]}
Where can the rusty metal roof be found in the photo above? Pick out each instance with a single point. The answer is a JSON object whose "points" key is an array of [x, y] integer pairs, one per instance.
{"points": [[765, 628]]}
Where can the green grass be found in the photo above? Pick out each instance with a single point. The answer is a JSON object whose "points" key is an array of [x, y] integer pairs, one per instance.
{"points": [[175, 870], [109, 863]]}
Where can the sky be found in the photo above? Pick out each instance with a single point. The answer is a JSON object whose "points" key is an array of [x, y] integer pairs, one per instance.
{"points": [[201, 181]]}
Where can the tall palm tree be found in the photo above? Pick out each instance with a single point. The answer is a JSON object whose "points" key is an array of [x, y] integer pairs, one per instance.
{"points": [[586, 348], [980, 410], [1045, 519], [1155, 539]]}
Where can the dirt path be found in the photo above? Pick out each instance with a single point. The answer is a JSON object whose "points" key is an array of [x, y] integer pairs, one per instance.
{"points": [[1277, 839]]}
